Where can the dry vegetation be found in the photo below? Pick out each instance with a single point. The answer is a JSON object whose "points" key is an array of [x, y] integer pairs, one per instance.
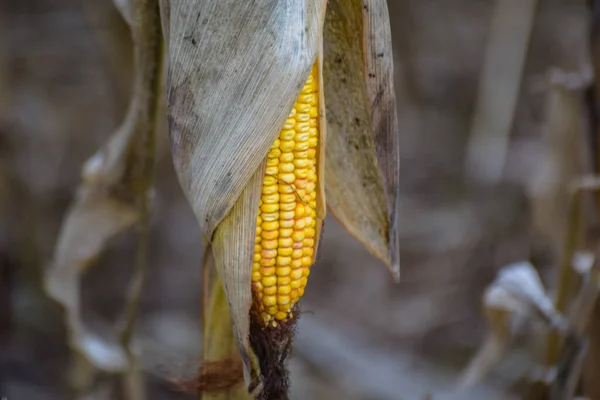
{"points": [[497, 108]]}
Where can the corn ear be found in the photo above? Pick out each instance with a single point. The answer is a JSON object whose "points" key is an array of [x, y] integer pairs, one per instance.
{"points": [[235, 71], [362, 164]]}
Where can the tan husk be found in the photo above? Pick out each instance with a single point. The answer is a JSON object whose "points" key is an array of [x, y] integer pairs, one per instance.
{"points": [[236, 69], [362, 188]]}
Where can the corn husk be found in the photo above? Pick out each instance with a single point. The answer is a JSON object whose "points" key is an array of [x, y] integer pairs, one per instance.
{"points": [[235, 71], [362, 164]]}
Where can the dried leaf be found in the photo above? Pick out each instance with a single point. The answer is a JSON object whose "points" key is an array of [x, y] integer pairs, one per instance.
{"points": [[515, 296], [115, 184], [125, 7], [361, 116]]}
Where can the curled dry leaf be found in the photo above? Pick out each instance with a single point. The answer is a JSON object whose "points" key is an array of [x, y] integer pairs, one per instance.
{"points": [[115, 183], [515, 296], [362, 162]]}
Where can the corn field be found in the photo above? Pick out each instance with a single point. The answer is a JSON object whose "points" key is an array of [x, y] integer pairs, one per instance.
{"points": [[299, 199]]}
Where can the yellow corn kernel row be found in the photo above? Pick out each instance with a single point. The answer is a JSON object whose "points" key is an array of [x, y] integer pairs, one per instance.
{"points": [[285, 227]]}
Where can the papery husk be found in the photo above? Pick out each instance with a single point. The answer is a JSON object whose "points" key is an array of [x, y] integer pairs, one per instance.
{"points": [[114, 183], [236, 70], [362, 162]]}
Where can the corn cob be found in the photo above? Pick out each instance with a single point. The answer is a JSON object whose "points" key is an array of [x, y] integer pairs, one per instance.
{"points": [[285, 227]]}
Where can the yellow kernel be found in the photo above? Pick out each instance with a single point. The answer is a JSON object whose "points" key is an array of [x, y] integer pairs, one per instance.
{"points": [[294, 295], [286, 188], [312, 142], [286, 232], [287, 206], [257, 286], [286, 223], [310, 186], [270, 300], [311, 153], [306, 262], [256, 257], [308, 251], [309, 232], [286, 157], [273, 170], [267, 262], [298, 236], [283, 261], [301, 163], [280, 315], [269, 217], [301, 173], [301, 183], [314, 112], [286, 167], [287, 215], [303, 116], [300, 223], [314, 123], [270, 189], [297, 262], [302, 154], [269, 280], [309, 242], [270, 244], [283, 271], [257, 248], [267, 271], [271, 198], [272, 310], [287, 177], [268, 235], [283, 300], [258, 229], [299, 147], [284, 290], [285, 251], [287, 134], [271, 162], [268, 253], [307, 98], [309, 220], [313, 132], [270, 181], [295, 284], [283, 280], [287, 197], [257, 239], [270, 290], [256, 276], [302, 136], [302, 108], [285, 242], [292, 113], [304, 279], [296, 274], [255, 267], [269, 208], [300, 210], [274, 152], [287, 146], [270, 225], [301, 290], [297, 253], [289, 123]]}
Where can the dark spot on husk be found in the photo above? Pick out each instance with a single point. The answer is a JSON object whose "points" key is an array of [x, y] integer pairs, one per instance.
{"points": [[272, 346]]}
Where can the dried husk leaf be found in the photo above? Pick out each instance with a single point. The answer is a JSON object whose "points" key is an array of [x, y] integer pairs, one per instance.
{"points": [[362, 150], [233, 249], [114, 182], [235, 71], [219, 344]]}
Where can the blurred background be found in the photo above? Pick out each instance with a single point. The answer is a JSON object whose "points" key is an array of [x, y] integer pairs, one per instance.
{"points": [[65, 74]]}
